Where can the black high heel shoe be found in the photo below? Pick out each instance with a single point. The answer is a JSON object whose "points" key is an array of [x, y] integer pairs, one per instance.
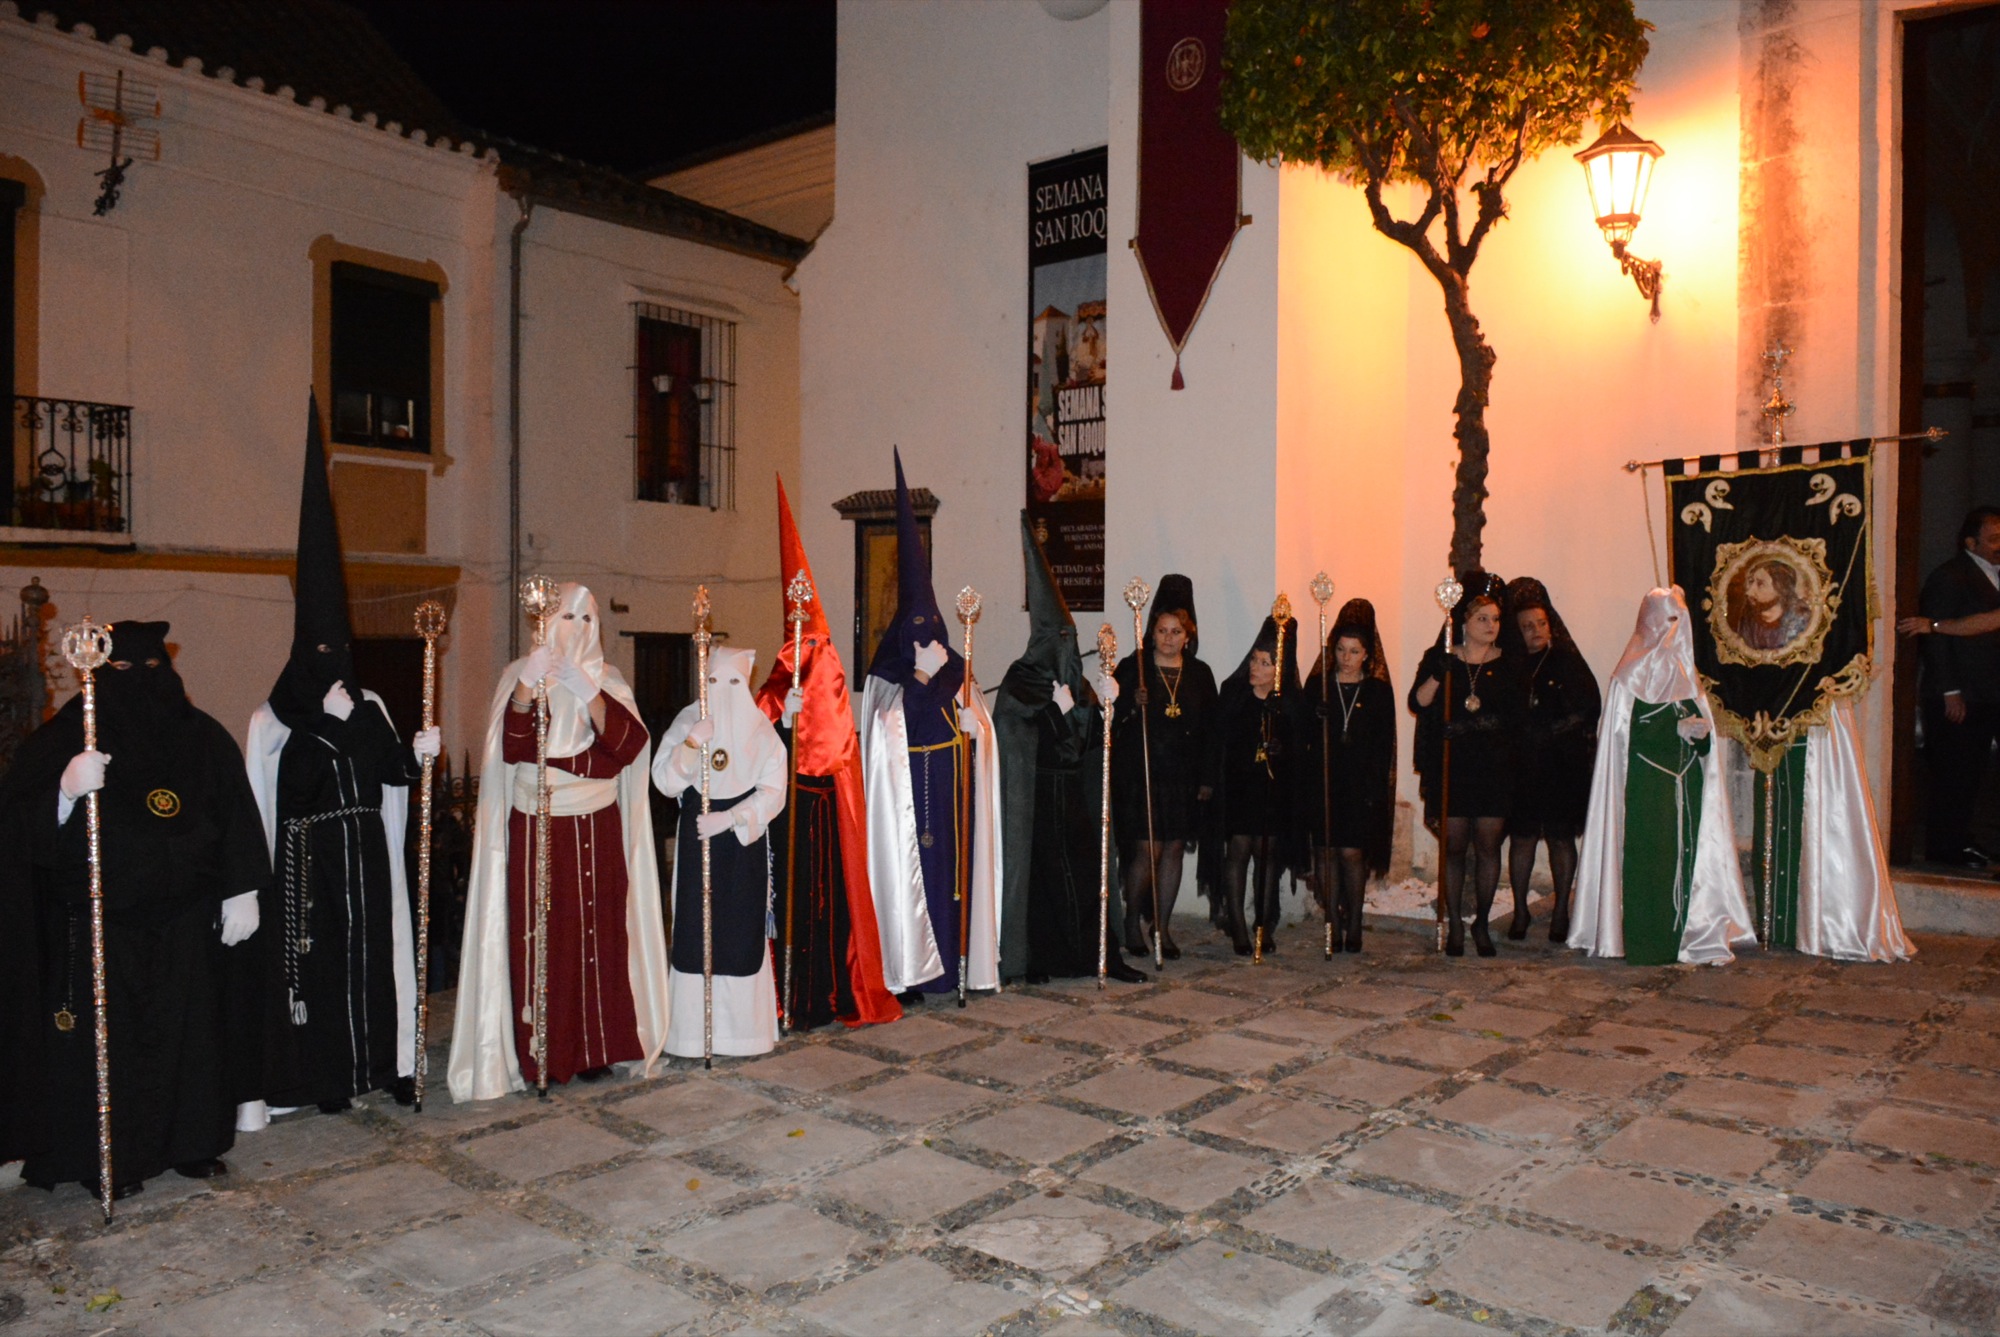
{"points": [[1454, 937], [1482, 938], [1517, 927]]}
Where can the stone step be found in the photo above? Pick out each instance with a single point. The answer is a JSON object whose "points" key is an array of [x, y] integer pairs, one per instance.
{"points": [[1944, 903]]}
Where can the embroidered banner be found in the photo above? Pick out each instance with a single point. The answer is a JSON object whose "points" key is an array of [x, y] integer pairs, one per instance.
{"points": [[1774, 563], [1066, 269], [1190, 171]]}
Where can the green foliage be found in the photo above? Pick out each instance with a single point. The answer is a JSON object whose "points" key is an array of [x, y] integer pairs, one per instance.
{"points": [[1421, 90]]}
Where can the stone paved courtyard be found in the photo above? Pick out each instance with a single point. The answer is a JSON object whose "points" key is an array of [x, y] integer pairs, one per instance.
{"points": [[1383, 1144]]}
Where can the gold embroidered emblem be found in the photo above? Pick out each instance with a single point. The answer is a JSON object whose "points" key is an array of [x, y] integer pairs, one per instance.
{"points": [[720, 760], [163, 803]]}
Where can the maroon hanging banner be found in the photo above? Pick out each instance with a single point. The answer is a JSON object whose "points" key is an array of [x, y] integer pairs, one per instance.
{"points": [[1190, 171]]}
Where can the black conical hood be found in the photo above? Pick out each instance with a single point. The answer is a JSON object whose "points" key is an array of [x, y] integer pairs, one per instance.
{"points": [[319, 596], [1052, 655], [918, 618]]}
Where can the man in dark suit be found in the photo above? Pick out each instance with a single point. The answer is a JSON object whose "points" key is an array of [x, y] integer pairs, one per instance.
{"points": [[1961, 690]]}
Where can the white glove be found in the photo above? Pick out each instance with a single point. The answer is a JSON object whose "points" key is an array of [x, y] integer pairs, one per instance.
{"points": [[1064, 698], [338, 703], [239, 918], [1107, 688], [711, 825], [428, 743], [538, 665], [83, 775], [969, 722], [575, 681], [1692, 729], [930, 658], [795, 701], [701, 731]]}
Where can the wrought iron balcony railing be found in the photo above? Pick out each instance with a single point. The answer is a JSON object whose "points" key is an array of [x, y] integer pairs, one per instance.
{"points": [[71, 466]]}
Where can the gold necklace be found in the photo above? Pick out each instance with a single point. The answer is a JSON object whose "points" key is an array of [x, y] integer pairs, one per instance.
{"points": [[1173, 710], [1473, 673]]}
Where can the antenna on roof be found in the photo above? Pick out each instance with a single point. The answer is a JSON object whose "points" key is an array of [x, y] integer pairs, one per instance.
{"points": [[113, 108]]}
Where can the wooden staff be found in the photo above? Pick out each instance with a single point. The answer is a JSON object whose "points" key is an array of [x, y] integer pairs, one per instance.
{"points": [[1322, 593], [798, 594], [1107, 655], [968, 614], [430, 626], [87, 646], [703, 638], [539, 598], [1136, 594], [1449, 592]]}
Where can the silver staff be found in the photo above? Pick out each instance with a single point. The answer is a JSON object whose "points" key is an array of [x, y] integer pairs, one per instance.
{"points": [[87, 646], [968, 614], [430, 626], [539, 598], [1107, 656], [798, 594], [1322, 593], [1281, 613], [1448, 593], [1136, 594], [703, 638]]}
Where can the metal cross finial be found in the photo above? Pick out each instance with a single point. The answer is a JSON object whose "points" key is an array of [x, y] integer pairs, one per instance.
{"points": [[1777, 408], [798, 594]]}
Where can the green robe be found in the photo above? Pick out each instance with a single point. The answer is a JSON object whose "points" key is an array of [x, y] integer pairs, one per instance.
{"points": [[1663, 782], [1779, 797]]}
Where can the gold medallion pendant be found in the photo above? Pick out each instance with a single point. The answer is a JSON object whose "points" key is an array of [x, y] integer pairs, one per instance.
{"points": [[720, 760], [1472, 704], [1173, 710], [65, 1020], [163, 803]]}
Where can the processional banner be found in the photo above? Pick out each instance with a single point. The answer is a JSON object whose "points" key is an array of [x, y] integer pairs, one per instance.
{"points": [[1773, 558], [1066, 287], [1190, 170]]}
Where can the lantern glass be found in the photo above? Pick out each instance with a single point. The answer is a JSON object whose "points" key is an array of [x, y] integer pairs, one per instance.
{"points": [[1619, 171]]}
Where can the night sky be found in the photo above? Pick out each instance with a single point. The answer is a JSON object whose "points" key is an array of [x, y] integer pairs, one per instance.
{"points": [[626, 84]]}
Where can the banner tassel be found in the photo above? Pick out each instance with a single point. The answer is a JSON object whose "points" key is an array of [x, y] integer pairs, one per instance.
{"points": [[1177, 383]]}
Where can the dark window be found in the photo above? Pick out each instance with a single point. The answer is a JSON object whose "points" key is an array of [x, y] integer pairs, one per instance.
{"points": [[381, 353], [684, 408], [393, 668], [12, 196]]}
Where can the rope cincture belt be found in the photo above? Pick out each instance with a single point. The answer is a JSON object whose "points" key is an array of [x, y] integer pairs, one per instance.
{"points": [[298, 899]]}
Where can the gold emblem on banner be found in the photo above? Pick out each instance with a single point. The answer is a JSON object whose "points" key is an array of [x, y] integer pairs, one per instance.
{"points": [[163, 803], [1186, 63]]}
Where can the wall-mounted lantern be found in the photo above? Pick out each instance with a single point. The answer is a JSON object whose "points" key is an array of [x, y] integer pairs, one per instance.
{"points": [[1619, 170]]}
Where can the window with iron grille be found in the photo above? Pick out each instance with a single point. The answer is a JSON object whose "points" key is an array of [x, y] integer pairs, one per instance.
{"points": [[381, 357], [684, 407]]}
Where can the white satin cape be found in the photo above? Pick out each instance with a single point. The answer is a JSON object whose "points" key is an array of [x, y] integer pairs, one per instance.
{"points": [[483, 1064], [1847, 902], [1718, 916], [910, 953], [260, 757]]}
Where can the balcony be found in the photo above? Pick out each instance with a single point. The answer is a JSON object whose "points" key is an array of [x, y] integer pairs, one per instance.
{"points": [[71, 469]]}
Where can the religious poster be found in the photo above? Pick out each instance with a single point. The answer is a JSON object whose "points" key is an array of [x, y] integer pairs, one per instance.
{"points": [[1066, 287], [1774, 563]]}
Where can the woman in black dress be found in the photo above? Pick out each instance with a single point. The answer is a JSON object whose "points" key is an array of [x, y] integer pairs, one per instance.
{"points": [[1171, 720], [1468, 701], [1557, 749], [1253, 783], [1347, 768]]}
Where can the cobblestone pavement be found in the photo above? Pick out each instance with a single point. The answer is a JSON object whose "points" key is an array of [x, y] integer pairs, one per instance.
{"points": [[1384, 1144]]}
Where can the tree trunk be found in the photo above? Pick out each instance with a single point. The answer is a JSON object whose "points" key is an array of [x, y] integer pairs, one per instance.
{"points": [[1475, 375]]}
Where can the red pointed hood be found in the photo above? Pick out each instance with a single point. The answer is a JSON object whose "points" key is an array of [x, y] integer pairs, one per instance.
{"points": [[825, 729]]}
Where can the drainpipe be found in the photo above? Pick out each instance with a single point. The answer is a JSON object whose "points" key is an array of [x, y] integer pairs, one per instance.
{"points": [[514, 421]]}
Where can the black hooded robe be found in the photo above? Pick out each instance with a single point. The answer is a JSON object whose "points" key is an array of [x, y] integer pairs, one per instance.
{"points": [[180, 835]]}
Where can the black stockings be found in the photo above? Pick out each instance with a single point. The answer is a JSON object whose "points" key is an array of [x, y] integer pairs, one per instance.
{"points": [[1480, 837], [1342, 882], [1168, 855], [1560, 837], [1264, 903]]}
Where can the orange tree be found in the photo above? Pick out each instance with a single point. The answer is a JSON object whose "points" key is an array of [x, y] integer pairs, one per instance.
{"points": [[1450, 96]]}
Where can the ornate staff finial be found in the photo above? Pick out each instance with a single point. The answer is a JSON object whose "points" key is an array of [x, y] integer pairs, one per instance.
{"points": [[87, 645], [1448, 593], [1137, 592], [703, 635], [539, 596], [1777, 408], [1107, 648], [969, 604], [1322, 590], [798, 594], [430, 619], [1281, 609]]}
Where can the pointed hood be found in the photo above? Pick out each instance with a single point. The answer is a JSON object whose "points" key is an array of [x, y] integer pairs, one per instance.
{"points": [[918, 618], [322, 638], [1175, 593], [823, 734], [1052, 655]]}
